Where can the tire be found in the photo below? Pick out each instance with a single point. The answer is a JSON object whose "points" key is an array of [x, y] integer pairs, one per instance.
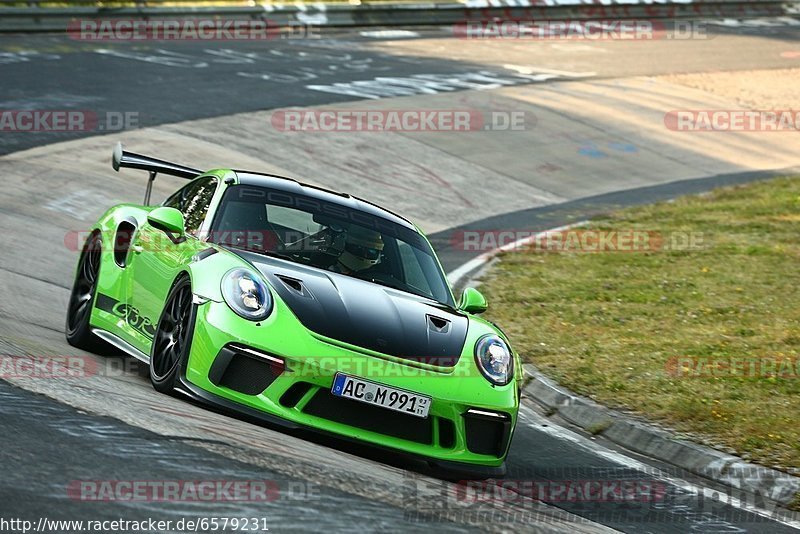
{"points": [[173, 338], [81, 301]]}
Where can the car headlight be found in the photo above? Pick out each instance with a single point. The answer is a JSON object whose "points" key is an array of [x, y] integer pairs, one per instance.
{"points": [[246, 294], [494, 359]]}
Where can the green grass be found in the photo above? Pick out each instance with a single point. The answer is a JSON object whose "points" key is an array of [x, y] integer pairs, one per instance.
{"points": [[610, 324]]}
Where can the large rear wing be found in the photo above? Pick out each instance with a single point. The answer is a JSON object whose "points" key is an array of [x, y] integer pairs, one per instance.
{"points": [[123, 158]]}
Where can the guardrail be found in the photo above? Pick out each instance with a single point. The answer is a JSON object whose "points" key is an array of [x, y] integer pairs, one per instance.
{"points": [[46, 15]]}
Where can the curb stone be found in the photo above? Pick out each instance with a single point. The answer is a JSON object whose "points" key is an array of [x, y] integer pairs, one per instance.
{"points": [[657, 443]]}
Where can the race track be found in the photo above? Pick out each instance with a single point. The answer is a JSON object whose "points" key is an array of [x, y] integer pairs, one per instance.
{"points": [[594, 138]]}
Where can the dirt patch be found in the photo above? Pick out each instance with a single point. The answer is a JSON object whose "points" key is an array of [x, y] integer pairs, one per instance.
{"points": [[774, 89]]}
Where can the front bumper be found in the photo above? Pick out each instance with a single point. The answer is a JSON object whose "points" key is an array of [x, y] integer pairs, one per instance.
{"points": [[232, 365]]}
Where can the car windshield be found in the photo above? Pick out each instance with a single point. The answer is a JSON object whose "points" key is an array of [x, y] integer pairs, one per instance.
{"points": [[329, 236]]}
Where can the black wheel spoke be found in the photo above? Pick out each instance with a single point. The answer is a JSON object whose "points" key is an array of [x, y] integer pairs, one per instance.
{"points": [[85, 285], [177, 312], [181, 306], [85, 271], [172, 333], [168, 325], [165, 363], [173, 356], [82, 306]]}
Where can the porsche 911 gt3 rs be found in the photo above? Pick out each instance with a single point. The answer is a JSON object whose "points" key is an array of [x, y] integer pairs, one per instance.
{"points": [[302, 307]]}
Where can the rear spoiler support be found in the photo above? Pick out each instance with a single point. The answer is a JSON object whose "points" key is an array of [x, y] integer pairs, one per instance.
{"points": [[122, 158], [149, 190]]}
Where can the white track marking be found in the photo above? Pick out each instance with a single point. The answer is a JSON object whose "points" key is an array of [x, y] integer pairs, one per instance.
{"points": [[523, 69], [389, 34], [458, 273]]}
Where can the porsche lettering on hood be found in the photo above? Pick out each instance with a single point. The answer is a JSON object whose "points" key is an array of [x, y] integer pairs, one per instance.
{"points": [[367, 315]]}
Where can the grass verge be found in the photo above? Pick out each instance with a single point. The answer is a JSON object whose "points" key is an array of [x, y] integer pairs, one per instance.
{"points": [[703, 338]]}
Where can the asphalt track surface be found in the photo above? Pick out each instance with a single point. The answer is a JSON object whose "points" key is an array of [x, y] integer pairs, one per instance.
{"points": [[47, 444], [177, 81], [65, 444]]}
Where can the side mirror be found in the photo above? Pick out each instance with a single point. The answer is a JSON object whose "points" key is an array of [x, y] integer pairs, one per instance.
{"points": [[472, 301], [169, 221]]}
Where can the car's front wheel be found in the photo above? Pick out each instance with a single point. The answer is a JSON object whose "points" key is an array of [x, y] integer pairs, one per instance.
{"points": [[79, 311], [173, 337]]}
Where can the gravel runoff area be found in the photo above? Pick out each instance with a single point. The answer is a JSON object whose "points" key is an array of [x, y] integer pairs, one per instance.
{"points": [[774, 89]]}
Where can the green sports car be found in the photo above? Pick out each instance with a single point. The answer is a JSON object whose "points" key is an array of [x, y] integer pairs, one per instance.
{"points": [[302, 307]]}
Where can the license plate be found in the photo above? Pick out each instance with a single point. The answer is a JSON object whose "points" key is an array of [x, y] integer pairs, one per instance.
{"points": [[387, 397]]}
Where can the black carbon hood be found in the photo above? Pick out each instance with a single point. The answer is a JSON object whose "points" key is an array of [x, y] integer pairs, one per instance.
{"points": [[366, 315]]}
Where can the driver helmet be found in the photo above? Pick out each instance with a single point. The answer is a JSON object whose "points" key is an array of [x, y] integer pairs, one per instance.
{"points": [[362, 248]]}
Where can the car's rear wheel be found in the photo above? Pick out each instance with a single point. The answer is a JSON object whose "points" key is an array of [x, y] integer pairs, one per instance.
{"points": [[79, 310], [173, 337]]}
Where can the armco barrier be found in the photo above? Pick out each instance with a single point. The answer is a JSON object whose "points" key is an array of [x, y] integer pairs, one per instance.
{"points": [[33, 18]]}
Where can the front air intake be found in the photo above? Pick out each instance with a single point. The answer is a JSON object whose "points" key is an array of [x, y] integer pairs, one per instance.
{"points": [[487, 432], [244, 370]]}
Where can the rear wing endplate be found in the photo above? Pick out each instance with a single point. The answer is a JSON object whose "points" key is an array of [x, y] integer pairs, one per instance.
{"points": [[123, 158]]}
